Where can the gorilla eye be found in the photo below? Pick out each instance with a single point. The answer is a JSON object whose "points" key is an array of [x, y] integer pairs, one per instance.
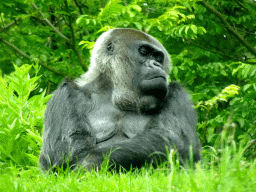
{"points": [[110, 48], [159, 58], [143, 50]]}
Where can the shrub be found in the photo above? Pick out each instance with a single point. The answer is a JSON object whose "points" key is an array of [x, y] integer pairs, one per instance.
{"points": [[21, 117]]}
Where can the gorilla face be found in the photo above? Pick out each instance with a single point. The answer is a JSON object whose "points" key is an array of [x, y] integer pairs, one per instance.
{"points": [[151, 77], [135, 64]]}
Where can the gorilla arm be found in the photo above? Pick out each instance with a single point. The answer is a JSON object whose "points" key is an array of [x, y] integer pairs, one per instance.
{"points": [[147, 147], [66, 133], [173, 127]]}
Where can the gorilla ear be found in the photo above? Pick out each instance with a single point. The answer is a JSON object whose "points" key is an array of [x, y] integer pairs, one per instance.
{"points": [[110, 48]]}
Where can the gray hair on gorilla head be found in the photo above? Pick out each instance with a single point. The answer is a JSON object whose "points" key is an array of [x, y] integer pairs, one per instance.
{"points": [[113, 65]]}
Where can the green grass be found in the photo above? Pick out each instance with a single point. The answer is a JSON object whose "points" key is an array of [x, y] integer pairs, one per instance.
{"points": [[228, 173]]}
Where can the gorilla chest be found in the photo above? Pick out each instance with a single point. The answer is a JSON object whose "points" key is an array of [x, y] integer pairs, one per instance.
{"points": [[108, 123]]}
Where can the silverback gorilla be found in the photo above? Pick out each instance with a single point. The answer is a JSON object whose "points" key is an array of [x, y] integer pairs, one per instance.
{"points": [[122, 107]]}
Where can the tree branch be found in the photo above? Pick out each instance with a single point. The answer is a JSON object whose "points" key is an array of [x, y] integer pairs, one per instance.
{"points": [[28, 57], [241, 5], [229, 27], [15, 48], [79, 7], [233, 58], [51, 25], [72, 42], [9, 25], [102, 4]]}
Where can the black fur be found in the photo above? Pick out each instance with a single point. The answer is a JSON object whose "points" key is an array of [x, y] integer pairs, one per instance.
{"points": [[122, 107], [67, 131]]}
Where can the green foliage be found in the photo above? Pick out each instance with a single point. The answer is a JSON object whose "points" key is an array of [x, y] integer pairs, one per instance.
{"points": [[21, 118], [225, 94], [112, 9]]}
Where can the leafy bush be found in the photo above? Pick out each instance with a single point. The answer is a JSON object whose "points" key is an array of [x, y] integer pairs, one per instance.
{"points": [[21, 117]]}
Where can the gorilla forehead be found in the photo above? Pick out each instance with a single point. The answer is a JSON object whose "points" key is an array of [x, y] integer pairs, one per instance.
{"points": [[129, 36]]}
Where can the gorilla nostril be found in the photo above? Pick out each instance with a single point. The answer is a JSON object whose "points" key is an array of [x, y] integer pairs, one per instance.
{"points": [[158, 64], [154, 63]]}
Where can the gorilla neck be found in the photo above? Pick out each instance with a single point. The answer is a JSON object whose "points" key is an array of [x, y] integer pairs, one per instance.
{"points": [[126, 101], [123, 98], [103, 84], [149, 104]]}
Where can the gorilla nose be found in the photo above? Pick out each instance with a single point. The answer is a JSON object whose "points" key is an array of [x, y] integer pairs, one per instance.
{"points": [[153, 63]]}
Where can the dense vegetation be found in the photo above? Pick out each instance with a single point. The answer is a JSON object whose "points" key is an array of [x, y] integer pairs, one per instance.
{"points": [[212, 46]]}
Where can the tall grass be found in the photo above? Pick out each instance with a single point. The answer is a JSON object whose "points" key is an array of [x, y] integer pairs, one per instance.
{"points": [[228, 171]]}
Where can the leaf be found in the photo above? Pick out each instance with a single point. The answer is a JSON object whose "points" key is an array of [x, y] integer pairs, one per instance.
{"points": [[238, 68], [105, 28], [32, 158], [81, 18], [112, 9], [181, 29], [253, 72], [43, 57], [201, 30], [2, 150], [247, 86], [194, 29], [136, 7], [186, 30], [35, 136], [138, 25]]}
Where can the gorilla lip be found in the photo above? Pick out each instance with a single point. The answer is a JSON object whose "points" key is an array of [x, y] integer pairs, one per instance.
{"points": [[157, 77]]}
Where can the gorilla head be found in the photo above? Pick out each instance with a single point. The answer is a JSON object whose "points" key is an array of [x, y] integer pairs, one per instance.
{"points": [[135, 64]]}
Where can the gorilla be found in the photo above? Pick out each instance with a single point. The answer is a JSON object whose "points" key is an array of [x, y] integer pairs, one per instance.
{"points": [[123, 107]]}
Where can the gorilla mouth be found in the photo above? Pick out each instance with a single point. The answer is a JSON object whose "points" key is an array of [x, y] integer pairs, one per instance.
{"points": [[157, 77], [153, 84]]}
